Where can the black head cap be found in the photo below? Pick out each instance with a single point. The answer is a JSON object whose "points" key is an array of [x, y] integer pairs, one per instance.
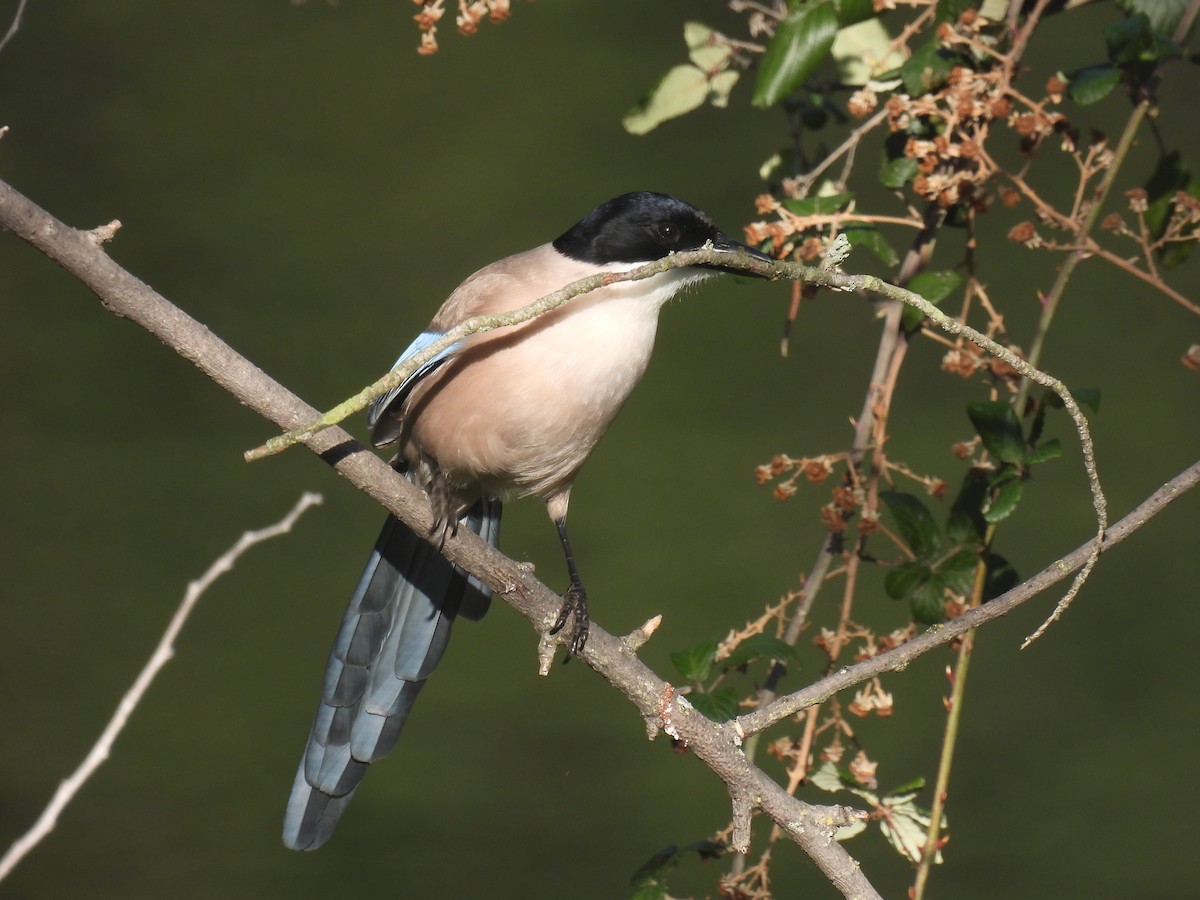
{"points": [[642, 227]]}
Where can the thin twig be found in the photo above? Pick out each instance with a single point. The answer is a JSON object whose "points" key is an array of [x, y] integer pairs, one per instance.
{"points": [[160, 657], [900, 657], [14, 27]]}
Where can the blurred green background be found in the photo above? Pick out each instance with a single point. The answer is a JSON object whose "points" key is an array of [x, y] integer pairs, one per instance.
{"points": [[297, 178]]}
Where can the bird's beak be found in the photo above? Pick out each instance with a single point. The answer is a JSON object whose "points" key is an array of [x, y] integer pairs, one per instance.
{"points": [[725, 244]]}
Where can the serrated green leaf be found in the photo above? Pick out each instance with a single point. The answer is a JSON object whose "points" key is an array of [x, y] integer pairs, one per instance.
{"points": [[818, 205], [906, 827], [800, 43], [1051, 449], [896, 173], [1004, 501], [1092, 84], [914, 523], [695, 663], [826, 777], [720, 705], [926, 69], [905, 579], [872, 238], [934, 287], [1000, 430], [759, 646]]}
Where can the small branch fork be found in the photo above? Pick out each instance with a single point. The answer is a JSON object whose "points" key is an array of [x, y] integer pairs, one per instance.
{"points": [[717, 745]]}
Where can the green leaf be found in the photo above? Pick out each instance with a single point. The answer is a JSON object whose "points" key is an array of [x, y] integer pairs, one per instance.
{"points": [[1164, 15], [759, 646], [906, 825], [929, 603], [1089, 397], [681, 90], [1051, 449], [800, 43], [934, 287], [863, 52], [872, 238], [993, 10], [966, 524], [1170, 176], [958, 570], [914, 523], [909, 787], [720, 705], [1133, 41], [896, 173], [703, 53], [926, 69], [827, 778], [850, 12], [1000, 430], [649, 882], [695, 662], [1093, 83], [1004, 501], [904, 580], [1001, 576], [818, 205]]}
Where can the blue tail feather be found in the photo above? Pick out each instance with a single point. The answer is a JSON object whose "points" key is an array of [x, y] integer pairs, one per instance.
{"points": [[393, 635]]}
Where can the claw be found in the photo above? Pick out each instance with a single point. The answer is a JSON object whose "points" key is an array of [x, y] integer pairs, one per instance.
{"points": [[574, 604]]}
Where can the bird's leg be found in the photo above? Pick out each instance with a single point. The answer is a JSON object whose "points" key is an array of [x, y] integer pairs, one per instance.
{"points": [[441, 498], [574, 600]]}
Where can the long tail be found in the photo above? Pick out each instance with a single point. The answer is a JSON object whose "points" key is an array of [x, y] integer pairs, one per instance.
{"points": [[392, 637]]}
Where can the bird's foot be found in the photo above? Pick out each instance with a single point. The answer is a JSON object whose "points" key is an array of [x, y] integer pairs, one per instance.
{"points": [[445, 519], [574, 604]]}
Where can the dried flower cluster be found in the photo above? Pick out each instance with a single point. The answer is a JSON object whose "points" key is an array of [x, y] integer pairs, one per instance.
{"points": [[470, 14]]}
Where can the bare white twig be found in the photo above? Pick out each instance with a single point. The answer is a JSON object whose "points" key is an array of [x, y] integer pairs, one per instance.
{"points": [[16, 24], [162, 654]]}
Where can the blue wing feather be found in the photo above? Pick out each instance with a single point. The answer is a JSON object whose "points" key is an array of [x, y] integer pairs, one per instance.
{"points": [[396, 395]]}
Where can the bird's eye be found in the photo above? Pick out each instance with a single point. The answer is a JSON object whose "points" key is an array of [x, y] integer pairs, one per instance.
{"points": [[668, 233]]}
